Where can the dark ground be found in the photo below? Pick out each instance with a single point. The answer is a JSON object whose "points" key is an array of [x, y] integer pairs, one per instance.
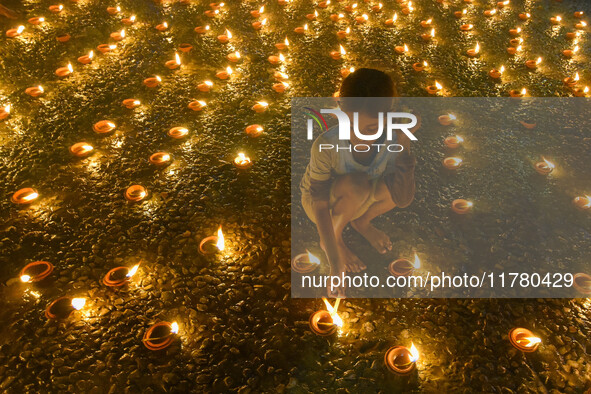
{"points": [[240, 330]]}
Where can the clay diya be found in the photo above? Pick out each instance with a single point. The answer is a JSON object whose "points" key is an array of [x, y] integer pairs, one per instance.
{"points": [[578, 14], [524, 340], [128, 21], [34, 91], [582, 283], [197, 105], [361, 19], [434, 89], [453, 142], [544, 167], [336, 55], [25, 196], [428, 36], [524, 16], [568, 53], [114, 10], [234, 57], [202, 29], [461, 206], [474, 51], [64, 71], [81, 149], [225, 38], [12, 33], [257, 13], [86, 59], [326, 322], [490, 13], [152, 82], [404, 267], [345, 72], [305, 263], [533, 64], [162, 27], [260, 106], [160, 159], [401, 360], [175, 63], [242, 161], [63, 307], [460, 14], [466, 27], [103, 126], [527, 125], [36, 20], [205, 86], [280, 87], [578, 92], [555, 20], [119, 276], [63, 37], [343, 33], [582, 202], [452, 163], [106, 48], [56, 9], [213, 243], [36, 271], [400, 49], [282, 45], [377, 8], [258, 25], [419, 66], [515, 32], [160, 335], [178, 132], [135, 193], [496, 74], [224, 74], [427, 23], [131, 103], [5, 111], [281, 76], [273, 59], [301, 29], [571, 81], [391, 22], [581, 25], [446, 120], [517, 93], [118, 35], [254, 130]]}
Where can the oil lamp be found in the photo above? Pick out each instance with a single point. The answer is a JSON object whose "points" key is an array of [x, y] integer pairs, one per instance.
{"points": [[56, 9], [257, 13], [280, 76], [128, 21], [242, 161], [63, 37], [401, 49], [524, 16], [85, 59], [36, 271], [301, 29], [466, 27], [527, 125], [490, 12], [452, 163], [11, 33], [401, 360], [197, 105], [63, 307], [276, 59], [162, 26], [496, 74], [453, 142], [213, 243], [571, 81], [119, 276], [185, 47], [555, 20], [404, 267], [517, 93], [25, 196], [514, 50], [205, 86], [568, 53], [305, 263], [515, 32], [461, 206], [160, 159], [524, 340], [460, 14], [434, 89], [323, 4], [377, 8], [5, 112], [350, 8], [312, 17], [131, 103], [260, 106], [282, 45], [426, 23], [64, 71], [202, 29], [211, 13], [428, 36], [326, 322], [118, 35], [391, 22], [106, 48], [233, 57], [533, 64], [408, 9], [544, 167], [343, 33], [103, 126], [474, 51], [419, 66], [502, 4], [258, 25], [178, 132], [447, 120], [152, 82], [578, 14], [175, 63], [581, 25], [582, 202], [578, 92], [33, 91], [135, 193], [336, 55], [346, 71], [160, 335], [280, 87], [114, 10], [81, 149], [36, 20], [224, 74], [254, 130], [224, 38], [582, 283], [361, 19]]}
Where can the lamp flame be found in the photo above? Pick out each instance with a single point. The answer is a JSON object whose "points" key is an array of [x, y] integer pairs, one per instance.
{"points": [[70, 68], [312, 259], [229, 70], [438, 85], [539, 60], [78, 303], [177, 58], [20, 29], [417, 263], [576, 77], [133, 269], [228, 33], [414, 353], [532, 341], [336, 319], [174, 328], [343, 52], [25, 278], [549, 163], [220, 243]]}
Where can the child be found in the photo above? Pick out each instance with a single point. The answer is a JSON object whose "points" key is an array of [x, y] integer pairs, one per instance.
{"points": [[345, 187]]}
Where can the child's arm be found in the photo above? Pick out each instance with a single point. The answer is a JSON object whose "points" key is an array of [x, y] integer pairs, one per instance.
{"points": [[401, 182]]}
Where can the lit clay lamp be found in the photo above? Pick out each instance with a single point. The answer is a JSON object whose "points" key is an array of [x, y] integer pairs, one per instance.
{"points": [[582, 283], [460, 14], [404, 267], [323, 4], [578, 14], [377, 8], [213, 243], [517, 93], [581, 25], [582, 202], [533, 64], [81, 149], [254, 130], [427, 23], [260, 106], [524, 16], [257, 13], [234, 57], [119, 276], [202, 29], [428, 36], [160, 335], [343, 33], [544, 167], [113, 10], [401, 49], [312, 17], [528, 125], [461, 206], [301, 29], [162, 27], [63, 37], [336, 17], [305, 263], [160, 159], [86, 59], [205, 86], [490, 13], [178, 132], [211, 13], [118, 35], [135, 193], [103, 127], [63, 307], [326, 322], [571, 35], [434, 89], [453, 142], [466, 27], [185, 47], [515, 42], [56, 9], [362, 19], [568, 53], [152, 82], [106, 48], [391, 22], [276, 59], [36, 271], [128, 21], [515, 32], [578, 92], [474, 51], [420, 66], [280, 76], [282, 45], [174, 63], [225, 38], [555, 20], [258, 25], [514, 50], [401, 360], [34, 91], [131, 103], [408, 9], [25, 196], [224, 74], [350, 8], [345, 72], [196, 105], [64, 71], [452, 163], [5, 111], [242, 161], [337, 55], [280, 87], [36, 20], [524, 340], [496, 74], [12, 33], [502, 4], [447, 120]]}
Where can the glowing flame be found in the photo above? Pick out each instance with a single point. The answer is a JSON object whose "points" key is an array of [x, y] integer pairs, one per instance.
{"points": [[528, 14], [165, 24], [122, 33], [316, 13], [414, 353], [7, 108], [518, 48], [229, 70], [343, 52], [428, 21], [306, 26], [25, 278], [87, 148], [61, 7], [576, 77], [133, 269], [558, 19], [206, 27], [228, 34], [586, 90], [132, 18], [523, 91], [158, 78], [519, 30], [20, 29], [464, 11], [177, 58], [30, 196], [220, 243], [312, 259], [136, 102], [70, 68], [262, 9], [78, 303], [548, 163], [417, 263], [118, 9], [352, 69], [477, 48], [394, 17], [174, 328], [455, 161], [583, 24], [336, 319], [208, 83], [539, 60], [264, 22], [576, 49], [112, 46], [41, 19], [286, 41], [201, 103], [263, 103], [438, 85], [492, 12], [532, 341], [281, 58], [348, 30], [364, 16], [502, 69]]}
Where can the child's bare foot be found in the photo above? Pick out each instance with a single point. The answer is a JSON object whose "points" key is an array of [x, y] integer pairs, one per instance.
{"points": [[352, 262], [377, 238]]}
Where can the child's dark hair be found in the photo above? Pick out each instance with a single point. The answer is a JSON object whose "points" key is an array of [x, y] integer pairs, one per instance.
{"points": [[365, 83]]}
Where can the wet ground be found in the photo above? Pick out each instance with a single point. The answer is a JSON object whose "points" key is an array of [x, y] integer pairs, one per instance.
{"points": [[239, 328]]}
